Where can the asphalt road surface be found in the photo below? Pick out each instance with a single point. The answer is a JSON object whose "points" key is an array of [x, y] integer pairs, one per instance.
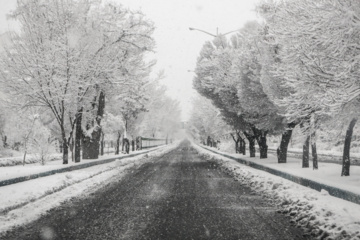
{"points": [[178, 196]]}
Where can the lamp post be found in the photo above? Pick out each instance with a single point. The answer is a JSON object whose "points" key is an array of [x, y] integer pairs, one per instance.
{"points": [[213, 35]]}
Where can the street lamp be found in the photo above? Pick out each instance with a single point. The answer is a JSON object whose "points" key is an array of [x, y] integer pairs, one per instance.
{"points": [[192, 29], [217, 34]]}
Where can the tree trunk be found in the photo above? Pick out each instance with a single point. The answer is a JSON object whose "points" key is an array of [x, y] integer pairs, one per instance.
{"points": [[102, 144], [4, 138], [117, 147], [252, 148], [314, 155], [346, 154], [60, 147], [285, 140], [251, 140], [243, 150], [236, 143], [91, 144], [241, 147], [126, 145], [305, 159], [260, 136], [78, 136], [72, 147], [263, 147], [65, 146], [65, 152], [313, 122], [24, 158]]}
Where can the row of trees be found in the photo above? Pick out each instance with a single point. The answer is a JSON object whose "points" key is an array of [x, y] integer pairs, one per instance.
{"points": [[71, 57], [299, 67], [207, 125]]}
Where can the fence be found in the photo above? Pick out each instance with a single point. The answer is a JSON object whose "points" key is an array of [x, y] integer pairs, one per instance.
{"points": [[151, 142]]}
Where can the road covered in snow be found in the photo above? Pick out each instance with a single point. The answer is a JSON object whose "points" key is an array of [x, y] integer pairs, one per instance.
{"points": [[176, 196]]}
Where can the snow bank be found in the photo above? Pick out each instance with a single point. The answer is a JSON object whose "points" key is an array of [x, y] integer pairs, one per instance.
{"points": [[317, 213]]}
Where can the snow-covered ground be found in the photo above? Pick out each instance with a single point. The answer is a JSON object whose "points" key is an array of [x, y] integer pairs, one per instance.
{"points": [[328, 173], [30, 159], [24, 202], [10, 172], [17, 157], [318, 213]]}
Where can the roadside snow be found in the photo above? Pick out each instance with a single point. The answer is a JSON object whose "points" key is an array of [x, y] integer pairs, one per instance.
{"points": [[317, 213], [17, 159], [328, 173], [24, 202], [325, 152], [30, 159], [10, 172]]}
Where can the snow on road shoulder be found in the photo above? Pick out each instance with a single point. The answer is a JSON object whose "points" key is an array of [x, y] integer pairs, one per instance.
{"points": [[317, 213], [14, 171], [328, 173], [26, 201]]}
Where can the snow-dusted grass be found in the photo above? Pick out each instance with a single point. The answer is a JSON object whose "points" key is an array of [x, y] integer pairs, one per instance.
{"points": [[318, 213], [24, 202]]}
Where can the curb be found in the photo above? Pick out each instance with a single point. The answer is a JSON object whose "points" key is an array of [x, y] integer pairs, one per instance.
{"points": [[333, 191], [67, 169]]}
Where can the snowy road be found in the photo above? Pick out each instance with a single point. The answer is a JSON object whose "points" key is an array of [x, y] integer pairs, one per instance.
{"points": [[180, 196]]}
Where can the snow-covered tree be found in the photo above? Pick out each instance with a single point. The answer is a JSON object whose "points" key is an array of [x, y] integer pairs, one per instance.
{"points": [[42, 143], [319, 51], [70, 55], [229, 73], [211, 82], [36, 64], [162, 115], [123, 39], [113, 128], [258, 110], [206, 120]]}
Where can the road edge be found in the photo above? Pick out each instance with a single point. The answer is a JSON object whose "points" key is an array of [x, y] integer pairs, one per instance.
{"points": [[333, 191]]}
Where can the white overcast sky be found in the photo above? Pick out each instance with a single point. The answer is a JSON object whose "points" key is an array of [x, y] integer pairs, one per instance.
{"points": [[178, 47]]}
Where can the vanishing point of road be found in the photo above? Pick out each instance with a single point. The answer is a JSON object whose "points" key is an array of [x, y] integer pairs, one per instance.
{"points": [[177, 196]]}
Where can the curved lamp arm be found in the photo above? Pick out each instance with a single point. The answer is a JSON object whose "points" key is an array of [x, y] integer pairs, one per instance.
{"points": [[191, 29]]}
